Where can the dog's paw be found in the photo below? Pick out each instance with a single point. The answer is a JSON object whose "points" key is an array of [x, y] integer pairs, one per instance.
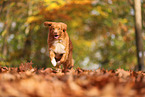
{"points": [[53, 61]]}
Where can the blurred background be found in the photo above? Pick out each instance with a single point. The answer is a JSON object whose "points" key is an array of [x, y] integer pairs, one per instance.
{"points": [[102, 31]]}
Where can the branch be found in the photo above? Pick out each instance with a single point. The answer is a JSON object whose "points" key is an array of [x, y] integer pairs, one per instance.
{"points": [[131, 3]]}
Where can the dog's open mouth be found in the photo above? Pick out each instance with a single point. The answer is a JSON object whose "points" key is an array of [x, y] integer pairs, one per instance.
{"points": [[56, 36]]}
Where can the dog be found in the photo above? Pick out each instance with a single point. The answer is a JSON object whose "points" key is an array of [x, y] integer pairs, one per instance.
{"points": [[59, 45]]}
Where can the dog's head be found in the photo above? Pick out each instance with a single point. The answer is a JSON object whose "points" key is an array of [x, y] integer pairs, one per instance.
{"points": [[57, 30]]}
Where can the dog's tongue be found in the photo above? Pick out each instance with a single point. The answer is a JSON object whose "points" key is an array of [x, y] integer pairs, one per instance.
{"points": [[56, 36]]}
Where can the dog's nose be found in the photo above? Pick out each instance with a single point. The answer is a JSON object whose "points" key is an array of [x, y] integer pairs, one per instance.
{"points": [[55, 32]]}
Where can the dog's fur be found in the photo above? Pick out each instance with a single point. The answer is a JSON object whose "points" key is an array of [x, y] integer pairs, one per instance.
{"points": [[59, 44]]}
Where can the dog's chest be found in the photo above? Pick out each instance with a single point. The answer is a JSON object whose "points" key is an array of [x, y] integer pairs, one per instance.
{"points": [[59, 47]]}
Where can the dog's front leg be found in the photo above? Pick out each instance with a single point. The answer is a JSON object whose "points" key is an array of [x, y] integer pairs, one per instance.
{"points": [[63, 59], [52, 58]]}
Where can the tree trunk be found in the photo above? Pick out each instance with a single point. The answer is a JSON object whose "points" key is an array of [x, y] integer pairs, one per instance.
{"points": [[27, 47], [5, 33], [28, 32], [138, 34]]}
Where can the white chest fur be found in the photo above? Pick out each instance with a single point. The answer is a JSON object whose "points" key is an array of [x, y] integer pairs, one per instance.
{"points": [[59, 47]]}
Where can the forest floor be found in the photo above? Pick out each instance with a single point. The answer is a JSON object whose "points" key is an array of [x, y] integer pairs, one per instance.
{"points": [[26, 81]]}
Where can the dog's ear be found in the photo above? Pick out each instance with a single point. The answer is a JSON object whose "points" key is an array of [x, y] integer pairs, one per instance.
{"points": [[64, 27], [48, 23]]}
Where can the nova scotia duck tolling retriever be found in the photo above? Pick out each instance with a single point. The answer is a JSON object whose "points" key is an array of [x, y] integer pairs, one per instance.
{"points": [[59, 45]]}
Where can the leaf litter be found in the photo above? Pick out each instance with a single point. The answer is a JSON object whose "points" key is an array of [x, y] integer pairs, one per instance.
{"points": [[26, 81]]}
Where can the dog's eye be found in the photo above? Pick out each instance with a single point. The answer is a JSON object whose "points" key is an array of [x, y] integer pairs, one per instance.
{"points": [[53, 28]]}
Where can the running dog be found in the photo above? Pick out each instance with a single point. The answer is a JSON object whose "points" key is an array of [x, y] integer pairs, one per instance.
{"points": [[59, 45]]}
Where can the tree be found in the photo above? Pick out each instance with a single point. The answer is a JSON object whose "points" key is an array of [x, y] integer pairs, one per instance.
{"points": [[138, 32]]}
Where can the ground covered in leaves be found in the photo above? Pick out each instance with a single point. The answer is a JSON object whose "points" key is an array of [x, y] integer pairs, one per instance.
{"points": [[26, 81]]}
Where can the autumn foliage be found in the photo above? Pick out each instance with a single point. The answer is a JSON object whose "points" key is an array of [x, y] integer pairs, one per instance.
{"points": [[27, 81], [102, 31]]}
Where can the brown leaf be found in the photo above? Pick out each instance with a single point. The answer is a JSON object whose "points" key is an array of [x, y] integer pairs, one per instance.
{"points": [[25, 66]]}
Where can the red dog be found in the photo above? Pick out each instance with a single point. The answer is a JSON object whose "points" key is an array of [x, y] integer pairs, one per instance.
{"points": [[60, 45]]}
